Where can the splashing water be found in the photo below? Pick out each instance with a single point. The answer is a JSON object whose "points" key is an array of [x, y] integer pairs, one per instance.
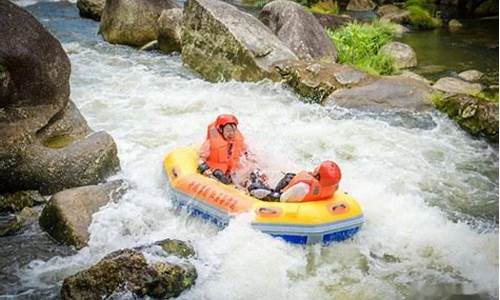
{"points": [[429, 193]]}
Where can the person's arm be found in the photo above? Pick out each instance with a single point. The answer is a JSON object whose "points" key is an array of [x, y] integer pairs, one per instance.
{"points": [[296, 193], [204, 153]]}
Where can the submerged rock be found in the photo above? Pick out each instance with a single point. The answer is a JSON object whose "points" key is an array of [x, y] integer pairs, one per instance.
{"points": [[298, 29], [222, 43], [404, 56], [129, 269], [132, 22], [177, 248], [454, 86], [68, 214], [318, 79], [361, 5], [170, 30], [91, 9], [471, 75], [10, 223], [385, 93], [477, 116], [45, 142]]}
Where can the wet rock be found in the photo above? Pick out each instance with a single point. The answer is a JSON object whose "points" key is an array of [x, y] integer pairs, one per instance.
{"points": [[333, 21], [318, 79], [298, 29], [177, 248], [392, 13], [237, 45], [15, 202], [471, 75], [68, 214], [361, 5], [10, 223], [41, 128], [413, 75], [132, 22], [404, 56], [91, 9], [454, 24], [170, 30], [477, 116], [385, 93], [452, 85], [129, 268], [399, 30], [432, 69]]}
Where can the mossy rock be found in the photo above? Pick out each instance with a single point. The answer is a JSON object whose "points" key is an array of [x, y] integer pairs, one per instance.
{"points": [[15, 202], [177, 247], [58, 142]]}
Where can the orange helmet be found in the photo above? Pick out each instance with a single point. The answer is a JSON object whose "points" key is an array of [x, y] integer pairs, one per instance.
{"points": [[329, 173], [223, 120]]}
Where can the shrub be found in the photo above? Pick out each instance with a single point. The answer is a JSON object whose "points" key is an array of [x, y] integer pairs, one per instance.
{"points": [[421, 14], [325, 7], [359, 45]]}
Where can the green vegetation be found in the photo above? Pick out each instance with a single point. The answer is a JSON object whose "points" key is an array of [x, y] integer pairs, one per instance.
{"points": [[261, 3], [359, 44], [421, 14], [325, 7], [437, 98], [490, 96]]}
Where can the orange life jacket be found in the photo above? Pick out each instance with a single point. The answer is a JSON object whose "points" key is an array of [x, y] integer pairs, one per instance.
{"points": [[316, 191], [220, 157]]}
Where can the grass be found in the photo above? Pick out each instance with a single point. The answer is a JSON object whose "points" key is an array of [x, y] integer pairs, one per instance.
{"points": [[490, 96], [437, 98], [421, 14], [359, 44], [325, 7]]}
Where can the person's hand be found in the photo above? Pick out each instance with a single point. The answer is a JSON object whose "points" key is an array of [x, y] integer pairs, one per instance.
{"points": [[208, 173]]}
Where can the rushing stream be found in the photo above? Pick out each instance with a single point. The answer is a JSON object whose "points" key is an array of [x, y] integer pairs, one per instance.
{"points": [[428, 190]]}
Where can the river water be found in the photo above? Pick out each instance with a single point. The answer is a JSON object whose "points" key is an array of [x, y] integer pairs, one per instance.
{"points": [[428, 190]]}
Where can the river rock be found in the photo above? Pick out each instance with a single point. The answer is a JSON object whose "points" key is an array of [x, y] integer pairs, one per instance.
{"points": [[170, 30], [132, 22], [298, 29], [385, 93], [91, 9], [129, 269], [404, 56], [477, 116], [46, 144], [392, 13], [471, 75], [361, 5], [68, 214], [236, 44], [333, 21], [452, 85], [413, 75], [15, 202], [10, 223], [454, 24], [317, 79]]}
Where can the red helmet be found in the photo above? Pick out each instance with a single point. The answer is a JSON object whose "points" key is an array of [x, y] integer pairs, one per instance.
{"points": [[223, 120], [329, 173]]}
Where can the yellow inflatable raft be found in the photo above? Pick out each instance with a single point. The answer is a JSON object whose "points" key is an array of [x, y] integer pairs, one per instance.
{"points": [[335, 219]]}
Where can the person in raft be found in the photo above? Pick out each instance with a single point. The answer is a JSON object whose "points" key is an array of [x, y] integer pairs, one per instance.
{"points": [[222, 155], [305, 186]]}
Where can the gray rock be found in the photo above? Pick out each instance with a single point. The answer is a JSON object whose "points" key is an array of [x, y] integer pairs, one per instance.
{"points": [[298, 29], [452, 85], [361, 5], [454, 24], [237, 45], [68, 214], [170, 30], [471, 75], [385, 93], [91, 9], [410, 74], [15, 202], [392, 13], [317, 79], [132, 22], [333, 21], [129, 268], [403, 55]]}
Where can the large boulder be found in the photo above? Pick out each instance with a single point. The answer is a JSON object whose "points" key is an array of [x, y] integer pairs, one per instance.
{"points": [[471, 75], [361, 5], [452, 86], [392, 13], [223, 43], [132, 22], [477, 116], [386, 93], [404, 56], [91, 9], [41, 129], [317, 79], [128, 269], [68, 214], [170, 30], [298, 29], [332, 21]]}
